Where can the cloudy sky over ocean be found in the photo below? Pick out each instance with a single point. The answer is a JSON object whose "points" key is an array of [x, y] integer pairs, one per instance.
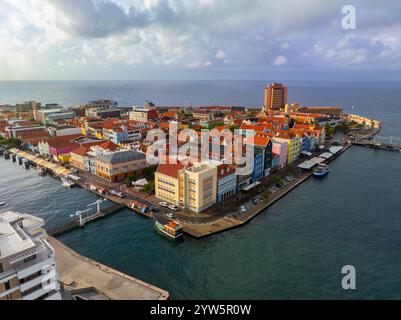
{"points": [[198, 39]]}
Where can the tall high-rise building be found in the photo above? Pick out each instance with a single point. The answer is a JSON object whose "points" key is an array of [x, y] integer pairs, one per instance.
{"points": [[27, 261], [275, 96]]}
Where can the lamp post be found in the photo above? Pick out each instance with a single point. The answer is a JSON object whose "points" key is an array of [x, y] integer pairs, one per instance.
{"points": [[97, 203], [79, 215]]}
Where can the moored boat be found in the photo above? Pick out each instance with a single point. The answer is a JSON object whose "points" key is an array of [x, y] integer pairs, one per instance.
{"points": [[26, 163], [321, 170], [168, 228], [67, 183], [41, 171]]}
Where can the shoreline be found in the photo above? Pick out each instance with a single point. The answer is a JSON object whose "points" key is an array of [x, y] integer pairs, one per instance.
{"points": [[196, 231], [251, 214]]}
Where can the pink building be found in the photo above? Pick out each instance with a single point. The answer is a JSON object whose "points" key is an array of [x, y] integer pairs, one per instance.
{"points": [[279, 155]]}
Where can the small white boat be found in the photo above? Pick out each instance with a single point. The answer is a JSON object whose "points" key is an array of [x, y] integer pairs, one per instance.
{"points": [[67, 183], [2, 204]]}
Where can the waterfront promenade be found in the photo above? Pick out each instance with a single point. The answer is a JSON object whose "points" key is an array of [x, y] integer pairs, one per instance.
{"points": [[215, 221], [78, 273], [225, 223]]}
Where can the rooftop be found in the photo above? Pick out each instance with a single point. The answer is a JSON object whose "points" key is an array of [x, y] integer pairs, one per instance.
{"points": [[122, 157], [170, 170], [12, 239]]}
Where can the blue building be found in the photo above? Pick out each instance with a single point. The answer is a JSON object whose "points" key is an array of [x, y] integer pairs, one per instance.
{"points": [[258, 165], [226, 182]]}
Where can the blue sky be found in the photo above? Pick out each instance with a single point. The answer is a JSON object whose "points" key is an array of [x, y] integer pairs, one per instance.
{"points": [[198, 39]]}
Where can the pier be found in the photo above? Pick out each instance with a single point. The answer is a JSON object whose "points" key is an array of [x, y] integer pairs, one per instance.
{"points": [[380, 143], [81, 221]]}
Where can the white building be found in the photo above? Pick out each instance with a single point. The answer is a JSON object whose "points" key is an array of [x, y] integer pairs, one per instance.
{"points": [[143, 114], [62, 131], [27, 261]]}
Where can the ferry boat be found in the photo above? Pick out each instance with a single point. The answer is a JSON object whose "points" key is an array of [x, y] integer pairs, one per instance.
{"points": [[321, 170], [168, 228], [67, 183]]}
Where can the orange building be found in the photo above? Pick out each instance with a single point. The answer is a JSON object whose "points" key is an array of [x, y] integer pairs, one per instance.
{"points": [[276, 96]]}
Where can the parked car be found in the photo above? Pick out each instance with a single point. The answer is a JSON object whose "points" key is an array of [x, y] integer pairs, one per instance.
{"points": [[242, 209], [170, 216], [117, 193], [173, 207], [255, 201], [163, 204], [289, 178]]}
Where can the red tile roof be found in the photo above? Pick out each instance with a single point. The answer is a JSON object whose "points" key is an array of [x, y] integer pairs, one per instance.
{"points": [[170, 170], [260, 141], [225, 170], [80, 151], [109, 145]]}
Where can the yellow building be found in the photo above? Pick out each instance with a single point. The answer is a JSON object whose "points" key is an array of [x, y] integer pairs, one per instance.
{"points": [[293, 145], [193, 188], [120, 165], [167, 182]]}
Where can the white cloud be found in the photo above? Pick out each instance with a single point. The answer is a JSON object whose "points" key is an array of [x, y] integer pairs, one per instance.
{"points": [[121, 38], [280, 61], [220, 54]]}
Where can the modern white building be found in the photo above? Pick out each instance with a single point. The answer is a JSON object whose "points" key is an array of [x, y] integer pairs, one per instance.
{"points": [[27, 261]]}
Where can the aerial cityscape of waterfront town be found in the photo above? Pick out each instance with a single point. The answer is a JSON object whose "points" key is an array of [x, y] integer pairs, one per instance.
{"points": [[104, 148]]}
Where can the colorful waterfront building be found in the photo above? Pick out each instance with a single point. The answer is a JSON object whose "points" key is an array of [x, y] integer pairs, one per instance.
{"points": [[193, 188], [279, 154], [167, 183], [293, 144], [265, 144], [258, 165], [77, 158], [117, 166], [226, 182]]}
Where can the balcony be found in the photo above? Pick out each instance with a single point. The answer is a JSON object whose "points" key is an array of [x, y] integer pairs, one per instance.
{"points": [[34, 266], [10, 291], [38, 280], [41, 291]]}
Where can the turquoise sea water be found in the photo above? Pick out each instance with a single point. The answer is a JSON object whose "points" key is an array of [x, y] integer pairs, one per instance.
{"points": [[294, 250]]}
